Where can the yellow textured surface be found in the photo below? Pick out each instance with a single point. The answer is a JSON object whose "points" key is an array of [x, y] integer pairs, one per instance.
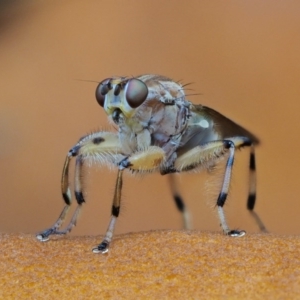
{"points": [[151, 265]]}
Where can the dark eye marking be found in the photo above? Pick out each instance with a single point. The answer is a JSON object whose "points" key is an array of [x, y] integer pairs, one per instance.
{"points": [[117, 90]]}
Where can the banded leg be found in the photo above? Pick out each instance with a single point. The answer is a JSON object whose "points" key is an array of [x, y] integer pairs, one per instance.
{"points": [[224, 191], [102, 147], [252, 192], [104, 245], [206, 155], [147, 160], [78, 195], [180, 203], [44, 236]]}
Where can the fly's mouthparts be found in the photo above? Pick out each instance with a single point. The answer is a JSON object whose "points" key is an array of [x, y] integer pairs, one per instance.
{"points": [[116, 115]]}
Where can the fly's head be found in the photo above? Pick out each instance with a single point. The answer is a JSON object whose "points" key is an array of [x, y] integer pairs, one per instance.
{"points": [[120, 96]]}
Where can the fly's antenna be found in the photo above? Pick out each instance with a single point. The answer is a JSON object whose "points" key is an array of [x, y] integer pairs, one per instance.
{"points": [[87, 80]]}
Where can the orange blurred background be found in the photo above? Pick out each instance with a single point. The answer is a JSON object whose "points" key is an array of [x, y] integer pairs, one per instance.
{"points": [[242, 56]]}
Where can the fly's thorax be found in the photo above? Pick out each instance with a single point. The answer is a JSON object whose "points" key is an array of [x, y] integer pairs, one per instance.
{"points": [[163, 89]]}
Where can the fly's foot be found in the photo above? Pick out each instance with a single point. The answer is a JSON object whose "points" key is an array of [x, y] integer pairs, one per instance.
{"points": [[44, 236], [236, 233], [101, 248]]}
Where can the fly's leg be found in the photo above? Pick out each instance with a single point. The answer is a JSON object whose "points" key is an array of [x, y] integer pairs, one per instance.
{"points": [[148, 160], [44, 236], [102, 147], [78, 195], [180, 203], [224, 191], [104, 245], [252, 192], [206, 155]]}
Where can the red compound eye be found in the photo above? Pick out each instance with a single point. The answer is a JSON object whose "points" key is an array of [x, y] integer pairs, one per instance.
{"points": [[102, 89], [136, 92]]}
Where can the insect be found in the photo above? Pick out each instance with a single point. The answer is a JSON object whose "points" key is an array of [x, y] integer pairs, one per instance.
{"points": [[158, 130]]}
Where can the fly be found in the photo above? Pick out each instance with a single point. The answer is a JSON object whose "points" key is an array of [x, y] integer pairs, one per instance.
{"points": [[159, 130]]}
